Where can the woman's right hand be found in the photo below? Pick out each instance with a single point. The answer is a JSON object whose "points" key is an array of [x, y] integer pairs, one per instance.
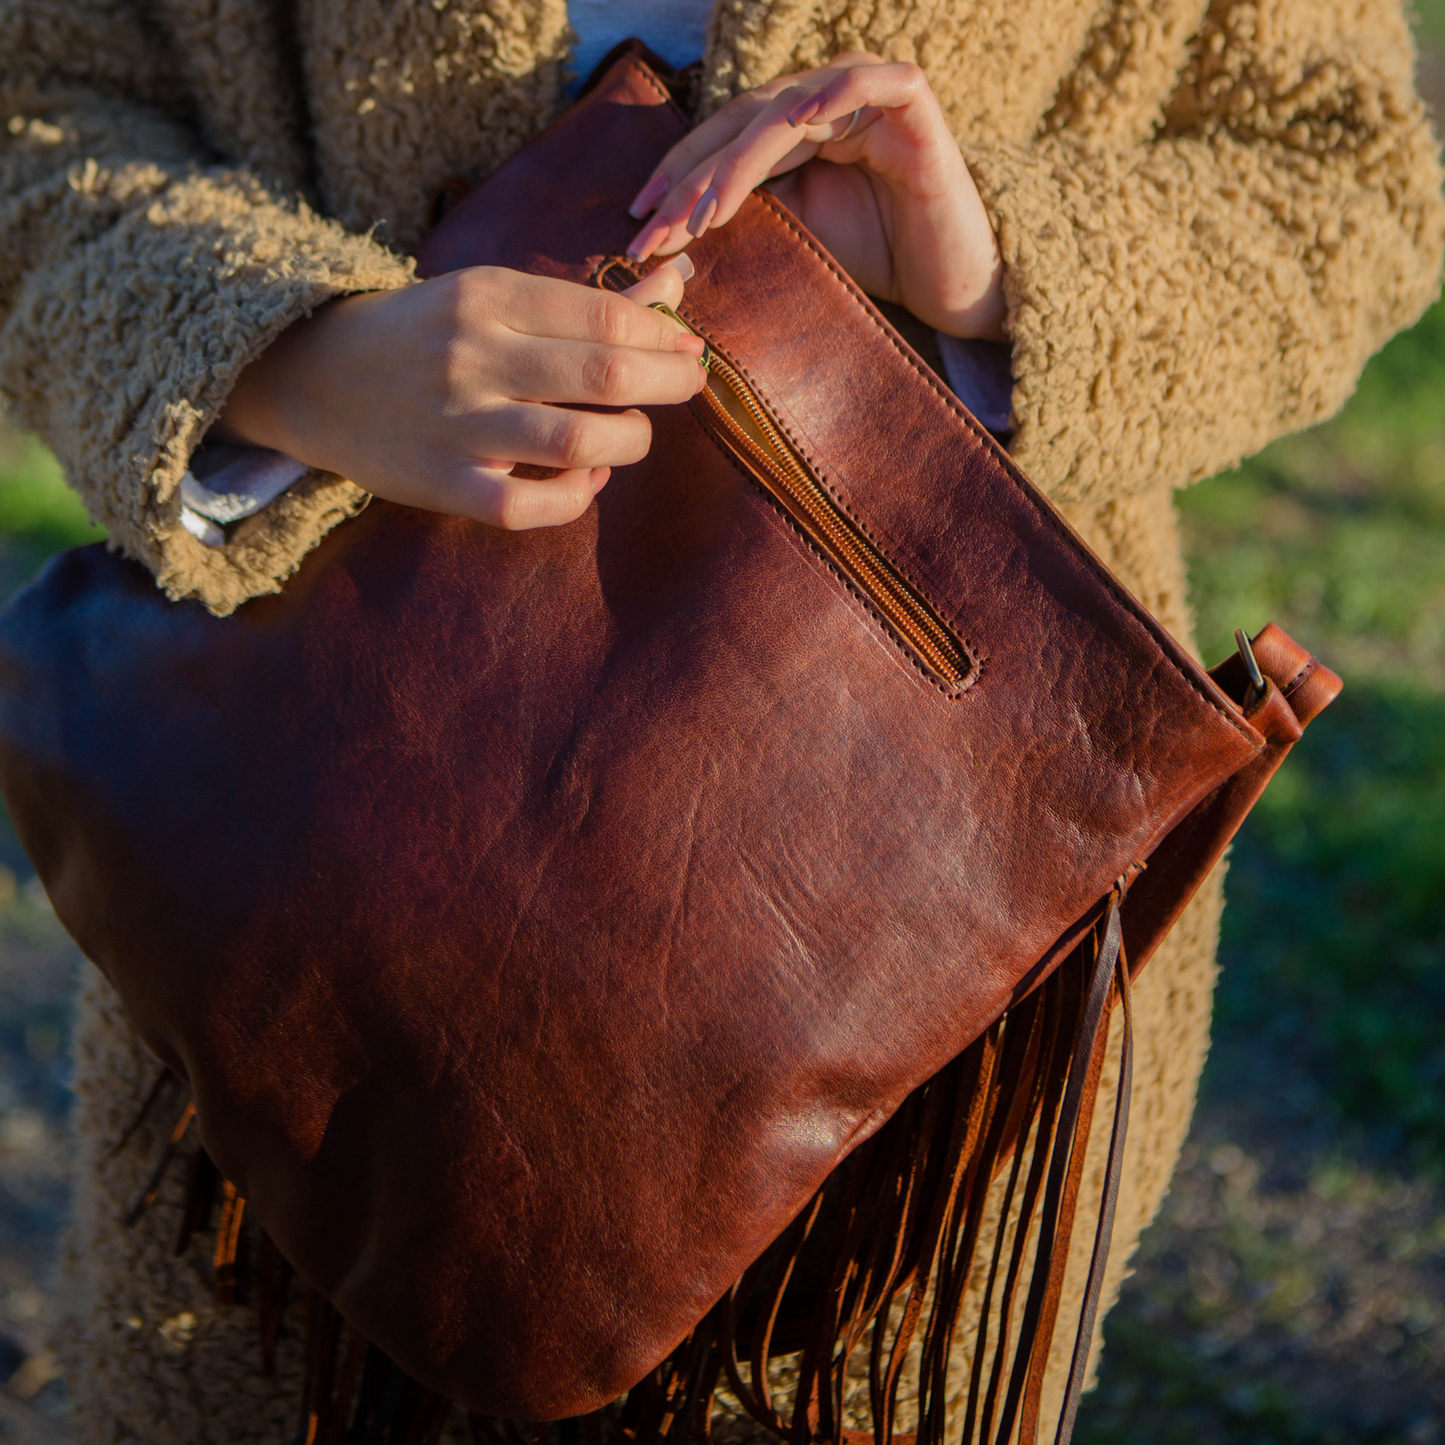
{"points": [[431, 394]]}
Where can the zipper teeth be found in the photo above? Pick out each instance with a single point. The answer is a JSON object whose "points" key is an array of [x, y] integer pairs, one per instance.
{"points": [[908, 613]]}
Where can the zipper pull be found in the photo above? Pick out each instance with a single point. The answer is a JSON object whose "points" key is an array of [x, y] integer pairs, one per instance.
{"points": [[705, 360]]}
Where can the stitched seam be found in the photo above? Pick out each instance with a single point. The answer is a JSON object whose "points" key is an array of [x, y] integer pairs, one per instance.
{"points": [[856, 592], [779, 214], [1299, 677], [909, 655], [660, 89]]}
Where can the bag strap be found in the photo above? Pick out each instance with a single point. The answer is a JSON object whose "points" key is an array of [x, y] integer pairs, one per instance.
{"points": [[1297, 688]]}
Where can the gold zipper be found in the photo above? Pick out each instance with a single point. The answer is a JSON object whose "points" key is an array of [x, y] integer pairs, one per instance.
{"points": [[743, 425]]}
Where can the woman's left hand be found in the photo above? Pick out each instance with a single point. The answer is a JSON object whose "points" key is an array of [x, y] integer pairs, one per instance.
{"points": [[860, 152]]}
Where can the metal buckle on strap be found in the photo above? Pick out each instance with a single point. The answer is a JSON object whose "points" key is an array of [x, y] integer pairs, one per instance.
{"points": [[1251, 666]]}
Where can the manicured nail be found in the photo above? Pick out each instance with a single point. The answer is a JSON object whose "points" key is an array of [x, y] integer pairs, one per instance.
{"points": [[649, 238], [703, 212], [805, 110], [648, 197], [682, 264]]}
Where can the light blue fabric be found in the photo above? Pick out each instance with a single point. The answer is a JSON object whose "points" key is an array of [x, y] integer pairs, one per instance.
{"points": [[675, 29]]}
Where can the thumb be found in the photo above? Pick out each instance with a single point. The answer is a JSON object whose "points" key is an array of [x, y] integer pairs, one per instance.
{"points": [[663, 284]]}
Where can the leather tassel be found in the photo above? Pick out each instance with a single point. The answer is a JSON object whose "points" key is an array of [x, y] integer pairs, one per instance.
{"points": [[381, 1399], [152, 1187], [224, 1259], [353, 1394], [491, 1430], [322, 1330], [350, 1396]]}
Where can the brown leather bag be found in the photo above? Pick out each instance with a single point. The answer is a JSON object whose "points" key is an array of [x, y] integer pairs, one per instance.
{"points": [[540, 920]]}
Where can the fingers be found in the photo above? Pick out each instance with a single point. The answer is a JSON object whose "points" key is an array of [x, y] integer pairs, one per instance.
{"points": [[867, 92], [556, 345], [487, 490], [726, 125], [711, 192], [573, 372], [705, 140], [541, 306], [517, 504], [832, 116], [554, 436], [599, 374], [432, 395]]}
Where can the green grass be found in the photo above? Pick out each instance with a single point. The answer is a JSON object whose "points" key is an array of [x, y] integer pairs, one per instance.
{"points": [[1338, 532], [1430, 22], [1334, 941], [1334, 944], [39, 514]]}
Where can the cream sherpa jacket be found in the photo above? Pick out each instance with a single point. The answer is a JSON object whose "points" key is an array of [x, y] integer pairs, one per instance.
{"points": [[1212, 211], [1211, 214]]}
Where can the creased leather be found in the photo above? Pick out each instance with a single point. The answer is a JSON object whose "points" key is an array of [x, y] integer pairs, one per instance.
{"points": [[538, 918]]}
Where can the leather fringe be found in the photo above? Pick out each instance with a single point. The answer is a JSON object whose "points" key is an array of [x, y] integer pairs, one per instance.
{"points": [[352, 1394], [881, 1258]]}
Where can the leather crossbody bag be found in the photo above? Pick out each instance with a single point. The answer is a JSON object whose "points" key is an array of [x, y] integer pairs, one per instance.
{"points": [[606, 958]]}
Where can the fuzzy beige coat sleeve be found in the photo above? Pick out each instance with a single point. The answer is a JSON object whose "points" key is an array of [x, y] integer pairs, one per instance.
{"points": [[1187, 284], [138, 277], [1211, 211]]}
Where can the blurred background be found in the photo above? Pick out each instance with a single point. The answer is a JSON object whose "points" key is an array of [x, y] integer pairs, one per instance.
{"points": [[1293, 1289]]}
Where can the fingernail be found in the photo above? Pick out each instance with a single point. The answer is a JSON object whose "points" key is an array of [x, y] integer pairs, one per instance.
{"points": [[692, 345], [648, 239], [701, 380], [682, 264], [805, 110], [703, 212], [598, 478], [648, 197]]}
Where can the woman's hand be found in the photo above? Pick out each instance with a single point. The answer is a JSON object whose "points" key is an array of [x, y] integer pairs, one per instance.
{"points": [[431, 394], [860, 152]]}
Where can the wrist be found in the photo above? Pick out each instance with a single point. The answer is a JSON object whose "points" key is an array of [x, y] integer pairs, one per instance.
{"points": [[984, 319], [277, 399]]}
